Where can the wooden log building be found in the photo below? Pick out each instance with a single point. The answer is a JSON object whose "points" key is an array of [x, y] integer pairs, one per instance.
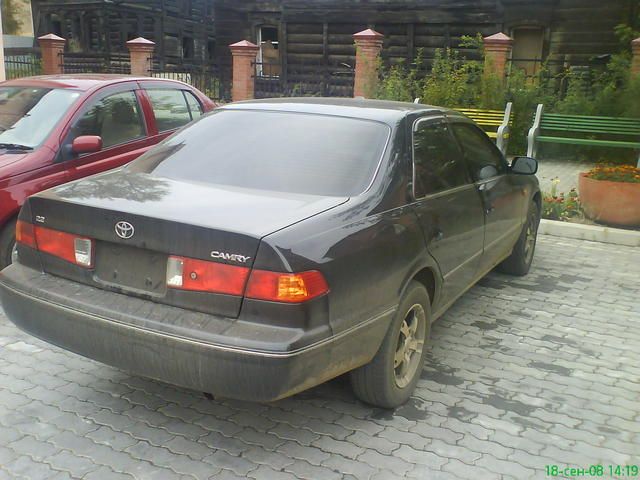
{"points": [[183, 30], [320, 31]]}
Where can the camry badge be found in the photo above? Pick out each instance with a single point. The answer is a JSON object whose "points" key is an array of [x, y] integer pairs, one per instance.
{"points": [[124, 230], [234, 257]]}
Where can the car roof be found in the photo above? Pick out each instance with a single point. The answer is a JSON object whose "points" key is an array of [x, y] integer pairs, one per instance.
{"points": [[380, 110], [86, 81]]}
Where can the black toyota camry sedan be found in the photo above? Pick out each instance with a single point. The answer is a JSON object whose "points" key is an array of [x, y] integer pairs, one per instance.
{"points": [[273, 245]]}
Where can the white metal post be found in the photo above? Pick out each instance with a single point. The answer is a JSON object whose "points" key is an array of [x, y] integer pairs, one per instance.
{"points": [[3, 74]]}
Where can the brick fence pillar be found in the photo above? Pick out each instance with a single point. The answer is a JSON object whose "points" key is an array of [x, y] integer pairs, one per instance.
{"points": [[244, 55], [368, 48], [141, 54], [497, 50], [635, 62], [52, 48]]}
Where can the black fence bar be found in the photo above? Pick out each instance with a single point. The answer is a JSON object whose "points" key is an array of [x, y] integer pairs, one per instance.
{"points": [[303, 79], [207, 78], [22, 62], [118, 63]]}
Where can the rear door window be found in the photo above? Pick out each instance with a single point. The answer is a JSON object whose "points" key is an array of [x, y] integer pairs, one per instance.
{"points": [[194, 105], [116, 118], [171, 108], [437, 160]]}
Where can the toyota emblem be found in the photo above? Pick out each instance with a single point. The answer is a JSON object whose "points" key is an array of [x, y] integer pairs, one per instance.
{"points": [[124, 230]]}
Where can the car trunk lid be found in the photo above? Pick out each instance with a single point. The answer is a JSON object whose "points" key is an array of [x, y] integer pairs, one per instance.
{"points": [[137, 221]]}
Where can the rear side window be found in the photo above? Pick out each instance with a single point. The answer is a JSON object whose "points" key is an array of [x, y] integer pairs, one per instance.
{"points": [[276, 151], [194, 105], [171, 109], [437, 160], [479, 151]]}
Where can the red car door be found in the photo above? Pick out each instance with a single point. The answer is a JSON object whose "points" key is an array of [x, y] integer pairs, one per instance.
{"points": [[120, 116]]}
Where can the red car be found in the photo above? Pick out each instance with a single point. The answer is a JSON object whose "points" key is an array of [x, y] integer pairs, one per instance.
{"points": [[54, 129]]}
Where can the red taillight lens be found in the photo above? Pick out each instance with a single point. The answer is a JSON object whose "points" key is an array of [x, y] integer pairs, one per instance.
{"points": [[25, 234], [53, 242], [286, 287], [69, 247], [202, 276]]}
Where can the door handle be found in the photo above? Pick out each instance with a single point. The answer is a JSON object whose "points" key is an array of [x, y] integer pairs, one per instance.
{"points": [[490, 209], [439, 235]]}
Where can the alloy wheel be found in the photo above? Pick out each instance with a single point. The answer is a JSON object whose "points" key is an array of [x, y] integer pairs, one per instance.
{"points": [[530, 238], [411, 338]]}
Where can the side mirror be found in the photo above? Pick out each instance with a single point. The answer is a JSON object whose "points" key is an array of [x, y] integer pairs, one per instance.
{"points": [[487, 172], [86, 144], [524, 165]]}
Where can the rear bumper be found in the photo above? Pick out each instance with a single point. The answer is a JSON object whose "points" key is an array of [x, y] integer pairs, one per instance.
{"points": [[225, 357]]}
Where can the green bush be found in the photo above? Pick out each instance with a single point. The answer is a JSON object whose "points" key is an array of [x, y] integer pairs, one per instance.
{"points": [[457, 82]]}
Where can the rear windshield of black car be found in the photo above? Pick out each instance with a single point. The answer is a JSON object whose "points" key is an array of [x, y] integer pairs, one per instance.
{"points": [[276, 151]]}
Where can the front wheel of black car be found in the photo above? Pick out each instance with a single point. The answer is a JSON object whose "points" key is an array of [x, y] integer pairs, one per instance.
{"points": [[519, 262], [7, 244], [391, 377]]}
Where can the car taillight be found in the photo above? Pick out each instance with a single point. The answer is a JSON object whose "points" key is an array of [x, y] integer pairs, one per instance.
{"points": [[286, 287], [25, 234], [67, 246], [202, 276]]}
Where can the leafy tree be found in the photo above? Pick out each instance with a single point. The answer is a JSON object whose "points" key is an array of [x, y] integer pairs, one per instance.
{"points": [[10, 17]]}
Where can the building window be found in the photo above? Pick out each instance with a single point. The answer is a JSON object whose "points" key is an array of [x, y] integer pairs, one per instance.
{"points": [[211, 49], [55, 25], [528, 47], [188, 47], [171, 45], [269, 54]]}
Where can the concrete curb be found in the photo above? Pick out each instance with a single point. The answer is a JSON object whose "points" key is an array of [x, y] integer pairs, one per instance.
{"points": [[594, 233]]}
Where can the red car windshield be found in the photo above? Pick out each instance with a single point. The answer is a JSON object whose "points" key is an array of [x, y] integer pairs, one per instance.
{"points": [[28, 114]]}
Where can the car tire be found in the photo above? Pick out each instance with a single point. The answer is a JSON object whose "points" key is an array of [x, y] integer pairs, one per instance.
{"points": [[519, 262], [386, 381], [7, 244]]}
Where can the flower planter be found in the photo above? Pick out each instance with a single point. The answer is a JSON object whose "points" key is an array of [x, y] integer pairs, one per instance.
{"points": [[613, 203]]}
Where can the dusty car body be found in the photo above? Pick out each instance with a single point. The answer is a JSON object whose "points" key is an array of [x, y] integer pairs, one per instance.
{"points": [[273, 245]]}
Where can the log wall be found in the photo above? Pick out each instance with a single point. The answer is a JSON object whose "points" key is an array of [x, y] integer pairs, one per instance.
{"points": [[310, 31]]}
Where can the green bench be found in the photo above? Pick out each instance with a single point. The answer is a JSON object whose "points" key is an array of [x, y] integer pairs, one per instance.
{"points": [[495, 123], [615, 132]]}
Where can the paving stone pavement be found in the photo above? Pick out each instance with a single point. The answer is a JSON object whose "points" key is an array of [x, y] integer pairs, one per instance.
{"points": [[523, 373]]}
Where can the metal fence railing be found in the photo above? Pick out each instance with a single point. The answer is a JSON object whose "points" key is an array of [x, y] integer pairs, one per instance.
{"points": [[207, 78], [118, 63], [22, 62], [303, 79]]}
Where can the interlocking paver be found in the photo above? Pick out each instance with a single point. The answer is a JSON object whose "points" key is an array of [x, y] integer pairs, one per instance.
{"points": [[28, 468], [523, 372], [344, 448], [114, 439], [238, 465], [106, 473], [306, 471]]}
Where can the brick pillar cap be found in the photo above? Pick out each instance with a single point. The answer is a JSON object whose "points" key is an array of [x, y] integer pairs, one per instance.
{"points": [[368, 34], [140, 43], [51, 37], [636, 43], [498, 39], [244, 44]]}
